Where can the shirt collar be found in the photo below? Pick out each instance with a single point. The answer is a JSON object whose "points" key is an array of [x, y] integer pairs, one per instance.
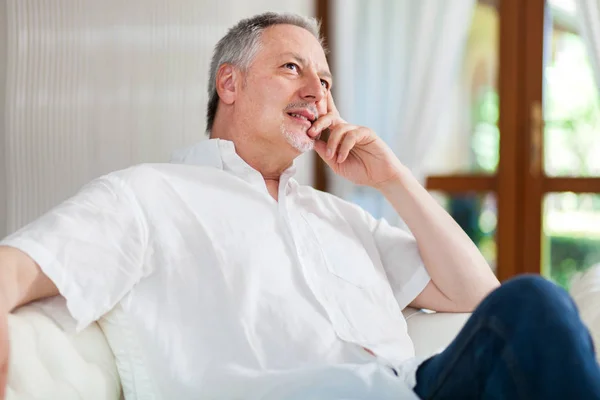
{"points": [[221, 154]]}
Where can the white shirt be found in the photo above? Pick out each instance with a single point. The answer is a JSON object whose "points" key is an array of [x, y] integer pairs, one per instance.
{"points": [[218, 291]]}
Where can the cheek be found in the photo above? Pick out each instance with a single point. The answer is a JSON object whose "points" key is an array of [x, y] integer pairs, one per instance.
{"points": [[267, 91], [278, 93]]}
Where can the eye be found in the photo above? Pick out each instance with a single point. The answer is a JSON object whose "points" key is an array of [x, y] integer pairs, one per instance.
{"points": [[324, 83], [291, 66]]}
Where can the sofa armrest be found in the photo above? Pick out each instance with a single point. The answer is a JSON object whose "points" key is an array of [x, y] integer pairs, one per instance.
{"points": [[432, 332], [585, 289], [49, 363]]}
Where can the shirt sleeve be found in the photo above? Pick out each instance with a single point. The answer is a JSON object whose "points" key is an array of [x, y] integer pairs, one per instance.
{"points": [[402, 262], [92, 247]]}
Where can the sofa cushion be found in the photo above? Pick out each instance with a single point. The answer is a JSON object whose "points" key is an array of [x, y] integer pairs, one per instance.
{"points": [[432, 332], [585, 290], [46, 362]]}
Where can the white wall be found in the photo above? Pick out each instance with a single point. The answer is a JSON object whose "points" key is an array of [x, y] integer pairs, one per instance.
{"points": [[94, 86], [3, 51]]}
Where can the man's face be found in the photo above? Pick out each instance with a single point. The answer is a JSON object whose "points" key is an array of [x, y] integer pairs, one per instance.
{"points": [[285, 89]]}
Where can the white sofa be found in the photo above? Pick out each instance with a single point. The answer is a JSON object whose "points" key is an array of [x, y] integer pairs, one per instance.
{"points": [[48, 363]]}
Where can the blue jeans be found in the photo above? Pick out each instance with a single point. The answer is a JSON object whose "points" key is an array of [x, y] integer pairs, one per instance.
{"points": [[524, 341]]}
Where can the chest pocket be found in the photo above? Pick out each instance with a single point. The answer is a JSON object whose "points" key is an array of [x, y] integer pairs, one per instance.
{"points": [[343, 252]]}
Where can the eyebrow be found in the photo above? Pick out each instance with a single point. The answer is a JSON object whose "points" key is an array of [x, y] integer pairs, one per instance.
{"points": [[301, 60]]}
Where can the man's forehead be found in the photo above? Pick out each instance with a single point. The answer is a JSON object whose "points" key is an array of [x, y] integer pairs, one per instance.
{"points": [[289, 40]]}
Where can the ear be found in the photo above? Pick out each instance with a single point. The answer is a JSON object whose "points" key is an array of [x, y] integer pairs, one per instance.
{"points": [[227, 77]]}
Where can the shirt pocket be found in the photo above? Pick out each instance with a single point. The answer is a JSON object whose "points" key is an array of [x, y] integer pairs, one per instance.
{"points": [[344, 254]]}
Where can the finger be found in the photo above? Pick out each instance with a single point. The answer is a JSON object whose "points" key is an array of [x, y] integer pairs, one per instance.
{"points": [[331, 108], [321, 150], [335, 138], [348, 143], [322, 123]]}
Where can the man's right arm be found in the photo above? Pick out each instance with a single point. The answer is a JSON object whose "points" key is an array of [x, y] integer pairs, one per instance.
{"points": [[21, 282], [100, 233]]}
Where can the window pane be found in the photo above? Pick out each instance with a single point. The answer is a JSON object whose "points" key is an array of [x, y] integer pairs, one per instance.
{"points": [[571, 235], [473, 145], [571, 102], [476, 213]]}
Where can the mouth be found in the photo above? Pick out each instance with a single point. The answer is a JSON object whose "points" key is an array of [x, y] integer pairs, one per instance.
{"points": [[302, 118]]}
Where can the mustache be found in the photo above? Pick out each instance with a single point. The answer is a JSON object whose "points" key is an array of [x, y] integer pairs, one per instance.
{"points": [[306, 105]]}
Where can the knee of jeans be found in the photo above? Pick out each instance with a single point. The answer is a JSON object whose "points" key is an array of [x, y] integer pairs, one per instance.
{"points": [[532, 295], [540, 308]]}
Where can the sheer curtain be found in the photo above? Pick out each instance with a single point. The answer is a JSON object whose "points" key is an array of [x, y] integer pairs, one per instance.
{"points": [[588, 16], [94, 86], [396, 63]]}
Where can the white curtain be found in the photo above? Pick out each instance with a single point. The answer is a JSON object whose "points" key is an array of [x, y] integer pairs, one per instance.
{"points": [[396, 63], [97, 85], [588, 17]]}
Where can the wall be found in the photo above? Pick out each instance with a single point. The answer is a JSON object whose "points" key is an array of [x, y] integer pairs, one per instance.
{"points": [[94, 86], [3, 54]]}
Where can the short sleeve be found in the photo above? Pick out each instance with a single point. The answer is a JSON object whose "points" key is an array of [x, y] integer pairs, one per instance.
{"points": [[92, 246], [402, 262]]}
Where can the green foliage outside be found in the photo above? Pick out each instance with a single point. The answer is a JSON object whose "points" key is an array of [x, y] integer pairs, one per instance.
{"points": [[570, 254]]}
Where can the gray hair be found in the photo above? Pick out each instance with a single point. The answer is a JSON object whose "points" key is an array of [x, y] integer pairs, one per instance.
{"points": [[241, 43]]}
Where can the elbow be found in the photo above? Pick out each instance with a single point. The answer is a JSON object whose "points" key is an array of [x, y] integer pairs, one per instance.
{"points": [[478, 294]]}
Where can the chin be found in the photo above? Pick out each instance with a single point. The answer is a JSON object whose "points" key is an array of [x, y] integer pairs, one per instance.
{"points": [[299, 141]]}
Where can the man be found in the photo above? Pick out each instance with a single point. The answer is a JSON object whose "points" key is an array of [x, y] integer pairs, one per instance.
{"points": [[226, 279]]}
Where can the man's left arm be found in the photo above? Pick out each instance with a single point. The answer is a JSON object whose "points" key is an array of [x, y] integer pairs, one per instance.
{"points": [[460, 276]]}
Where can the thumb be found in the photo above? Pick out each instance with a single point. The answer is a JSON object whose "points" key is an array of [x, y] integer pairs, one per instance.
{"points": [[321, 150]]}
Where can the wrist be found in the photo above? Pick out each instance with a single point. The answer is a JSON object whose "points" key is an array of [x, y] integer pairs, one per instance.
{"points": [[401, 178]]}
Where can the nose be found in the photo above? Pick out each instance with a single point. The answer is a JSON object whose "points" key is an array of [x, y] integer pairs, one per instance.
{"points": [[312, 89]]}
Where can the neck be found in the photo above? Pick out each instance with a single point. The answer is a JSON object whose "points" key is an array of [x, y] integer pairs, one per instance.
{"points": [[261, 155]]}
